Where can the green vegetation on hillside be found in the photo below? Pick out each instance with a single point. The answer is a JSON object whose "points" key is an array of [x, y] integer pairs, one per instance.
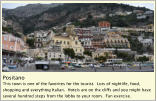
{"points": [[65, 13]]}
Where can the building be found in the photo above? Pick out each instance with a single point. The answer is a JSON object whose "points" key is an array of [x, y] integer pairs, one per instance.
{"points": [[113, 40], [98, 41], [12, 43], [42, 38], [4, 22], [30, 36], [13, 48], [104, 24], [150, 57], [138, 11], [110, 40], [82, 19], [85, 36], [111, 15], [145, 42], [70, 41], [121, 13], [148, 12], [86, 42], [141, 17], [103, 52], [98, 16], [124, 50], [55, 52], [149, 28]]}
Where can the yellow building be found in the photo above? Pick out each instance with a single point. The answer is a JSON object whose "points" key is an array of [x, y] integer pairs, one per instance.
{"points": [[150, 28], [70, 41], [70, 30], [102, 52], [113, 40]]}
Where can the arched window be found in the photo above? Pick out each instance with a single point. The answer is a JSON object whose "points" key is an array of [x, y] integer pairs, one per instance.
{"points": [[76, 42]]}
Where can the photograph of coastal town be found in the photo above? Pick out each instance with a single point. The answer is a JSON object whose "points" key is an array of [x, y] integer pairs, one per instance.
{"points": [[82, 37]]}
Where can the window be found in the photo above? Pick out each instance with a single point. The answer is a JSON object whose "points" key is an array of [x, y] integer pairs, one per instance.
{"points": [[52, 41], [3, 46], [68, 42], [11, 47], [38, 39], [85, 43], [54, 55], [64, 42], [76, 42], [5, 38]]}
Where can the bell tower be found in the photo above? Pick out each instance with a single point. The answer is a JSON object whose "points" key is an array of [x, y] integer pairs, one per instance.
{"points": [[70, 30]]}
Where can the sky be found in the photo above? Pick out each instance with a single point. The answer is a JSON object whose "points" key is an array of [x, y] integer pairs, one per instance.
{"points": [[14, 5]]}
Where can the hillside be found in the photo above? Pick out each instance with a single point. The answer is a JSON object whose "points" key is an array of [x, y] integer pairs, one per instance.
{"points": [[28, 10], [29, 18]]}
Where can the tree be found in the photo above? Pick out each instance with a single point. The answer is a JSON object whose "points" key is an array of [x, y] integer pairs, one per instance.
{"points": [[39, 58], [142, 59], [116, 51], [64, 28], [101, 59], [69, 52], [150, 49], [30, 42], [8, 29], [89, 16], [124, 56], [89, 53], [79, 57]]}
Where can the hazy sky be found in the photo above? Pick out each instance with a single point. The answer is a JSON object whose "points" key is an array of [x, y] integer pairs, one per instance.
{"points": [[14, 5]]}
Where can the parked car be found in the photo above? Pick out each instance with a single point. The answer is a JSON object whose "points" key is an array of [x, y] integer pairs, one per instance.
{"points": [[84, 65], [5, 69], [27, 59], [71, 66], [97, 65], [63, 66], [78, 65], [102, 65]]}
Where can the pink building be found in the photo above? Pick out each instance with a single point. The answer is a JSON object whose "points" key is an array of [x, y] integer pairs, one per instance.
{"points": [[12, 43]]}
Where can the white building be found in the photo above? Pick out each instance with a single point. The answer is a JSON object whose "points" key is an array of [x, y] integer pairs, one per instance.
{"points": [[145, 42], [30, 36], [148, 12], [42, 37], [4, 23], [141, 17], [55, 52], [151, 57]]}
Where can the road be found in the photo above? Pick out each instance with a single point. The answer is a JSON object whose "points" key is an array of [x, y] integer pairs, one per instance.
{"points": [[31, 68]]}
